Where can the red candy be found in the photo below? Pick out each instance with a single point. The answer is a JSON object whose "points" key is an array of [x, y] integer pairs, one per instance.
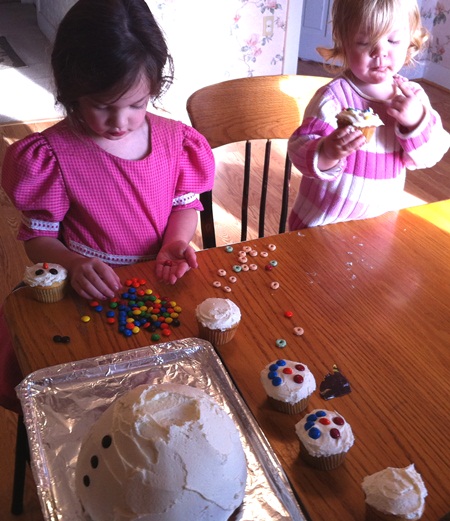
{"points": [[287, 370], [334, 433], [324, 421], [300, 367], [288, 314], [298, 379], [338, 420]]}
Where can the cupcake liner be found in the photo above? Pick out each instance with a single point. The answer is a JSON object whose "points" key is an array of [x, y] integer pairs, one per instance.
{"points": [[289, 408], [368, 132], [322, 462], [372, 514], [49, 294], [216, 336]]}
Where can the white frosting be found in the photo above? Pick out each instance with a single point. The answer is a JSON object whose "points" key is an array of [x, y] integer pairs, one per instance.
{"points": [[218, 313], [44, 274], [360, 118], [287, 386], [175, 455], [325, 423], [400, 492]]}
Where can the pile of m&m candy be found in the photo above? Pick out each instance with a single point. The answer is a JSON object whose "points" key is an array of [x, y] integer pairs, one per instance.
{"points": [[139, 309]]}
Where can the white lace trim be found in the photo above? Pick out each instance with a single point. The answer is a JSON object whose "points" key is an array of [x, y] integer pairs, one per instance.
{"points": [[184, 199], [107, 257], [37, 224]]}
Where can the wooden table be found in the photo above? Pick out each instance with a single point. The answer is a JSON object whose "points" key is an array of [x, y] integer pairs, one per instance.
{"points": [[372, 296]]}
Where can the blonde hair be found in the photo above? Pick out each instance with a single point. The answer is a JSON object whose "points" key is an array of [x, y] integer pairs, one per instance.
{"points": [[375, 17]]}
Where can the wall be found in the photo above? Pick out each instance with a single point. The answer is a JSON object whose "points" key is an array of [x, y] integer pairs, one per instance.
{"points": [[212, 40], [436, 17]]}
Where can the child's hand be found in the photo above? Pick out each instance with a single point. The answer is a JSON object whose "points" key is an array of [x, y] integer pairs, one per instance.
{"points": [[174, 260], [339, 144], [406, 107], [93, 279]]}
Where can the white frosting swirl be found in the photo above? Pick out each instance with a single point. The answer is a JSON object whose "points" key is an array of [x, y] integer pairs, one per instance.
{"points": [[162, 453], [288, 388], [360, 118], [218, 313], [44, 274], [399, 492], [328, 442]]}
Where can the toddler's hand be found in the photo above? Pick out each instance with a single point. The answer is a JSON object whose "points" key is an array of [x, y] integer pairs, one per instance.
{"points": [[406, 107], [93, 279], [174, 260], [339, 144]]}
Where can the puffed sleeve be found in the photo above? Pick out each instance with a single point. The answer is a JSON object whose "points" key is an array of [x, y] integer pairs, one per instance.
{"points": [[31, 177], [197, 169]]}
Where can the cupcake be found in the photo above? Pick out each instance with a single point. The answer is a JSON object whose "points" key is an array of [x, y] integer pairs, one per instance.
{"points": [[218, 320], [325, 438], [395, 494], [48, 281], [366, 120], [288, 385]]}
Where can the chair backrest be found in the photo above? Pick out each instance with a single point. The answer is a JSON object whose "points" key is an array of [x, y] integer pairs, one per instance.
{"points": [[248, 109]]}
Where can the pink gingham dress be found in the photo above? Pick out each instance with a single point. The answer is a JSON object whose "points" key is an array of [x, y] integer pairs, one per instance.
{"points": [[100, 205]]}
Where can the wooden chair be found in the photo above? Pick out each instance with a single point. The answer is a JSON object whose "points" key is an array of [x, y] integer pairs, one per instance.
{"points": [[245, 110], [14, 261]]}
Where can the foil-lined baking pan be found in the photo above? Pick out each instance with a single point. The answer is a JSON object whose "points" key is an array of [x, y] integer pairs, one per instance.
{"points": [[61, 403]]}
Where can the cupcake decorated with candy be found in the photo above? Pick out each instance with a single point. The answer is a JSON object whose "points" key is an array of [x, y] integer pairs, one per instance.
{"points": [[288, 385], [325, 438], [48, 281]]}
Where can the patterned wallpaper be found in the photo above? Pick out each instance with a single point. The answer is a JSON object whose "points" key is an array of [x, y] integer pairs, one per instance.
{"points": [[436, 17]]}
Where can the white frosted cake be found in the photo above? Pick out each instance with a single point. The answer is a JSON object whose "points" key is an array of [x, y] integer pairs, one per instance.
{"points": [[396, 492], [47, 280], [162, 453], [288, 385], [325, 438]]}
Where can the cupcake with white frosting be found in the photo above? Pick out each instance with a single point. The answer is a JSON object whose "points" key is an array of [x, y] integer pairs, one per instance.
{"points": [[395, 494], [325, 438], [365, 120], [288, 385], [48, 281], [218, 320]]}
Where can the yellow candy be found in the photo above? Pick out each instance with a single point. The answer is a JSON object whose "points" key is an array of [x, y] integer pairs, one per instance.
{"points": [[85, 318]]}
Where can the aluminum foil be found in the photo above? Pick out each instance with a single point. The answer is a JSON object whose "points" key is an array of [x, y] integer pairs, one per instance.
{"points": [[61, 403]]}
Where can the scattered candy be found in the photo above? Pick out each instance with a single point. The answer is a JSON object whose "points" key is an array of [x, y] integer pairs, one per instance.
{"points": [[221, 273], [334, 385], [247, 249], [288, 314], [253, 253], [232, 279], [229, 249], [61, 339], [274, 285], [253, 267], [273, 263], [281, 343], [298, 331], [227, 289], [272, 247], [264, 254], [268, 267], [245, 267], [217, 284], [242, 260], [237, 268], [85, 318]]}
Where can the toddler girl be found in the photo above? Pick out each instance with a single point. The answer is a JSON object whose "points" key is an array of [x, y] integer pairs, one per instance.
{"points": [[111, 184], [345, 177]]}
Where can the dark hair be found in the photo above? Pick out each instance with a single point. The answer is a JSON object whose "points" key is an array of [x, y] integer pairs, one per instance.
{"points": [[102, 46]]}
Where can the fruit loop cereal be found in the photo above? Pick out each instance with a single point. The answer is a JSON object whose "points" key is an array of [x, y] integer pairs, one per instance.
{"points": [[217, 284], [274, 285], [221, 273]]}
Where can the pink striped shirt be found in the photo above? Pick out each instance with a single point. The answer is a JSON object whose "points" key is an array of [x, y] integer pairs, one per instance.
{"points": [[370, 181], [101, 205]]}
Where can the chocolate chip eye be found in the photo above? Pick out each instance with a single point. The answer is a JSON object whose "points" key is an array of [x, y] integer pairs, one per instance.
{"points": [[94, 462], [53, 271], [106, 441], [86, 481], [39, 272]]}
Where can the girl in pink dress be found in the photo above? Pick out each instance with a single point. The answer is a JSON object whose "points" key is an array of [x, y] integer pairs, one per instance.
{"points": [[111, 184]]}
